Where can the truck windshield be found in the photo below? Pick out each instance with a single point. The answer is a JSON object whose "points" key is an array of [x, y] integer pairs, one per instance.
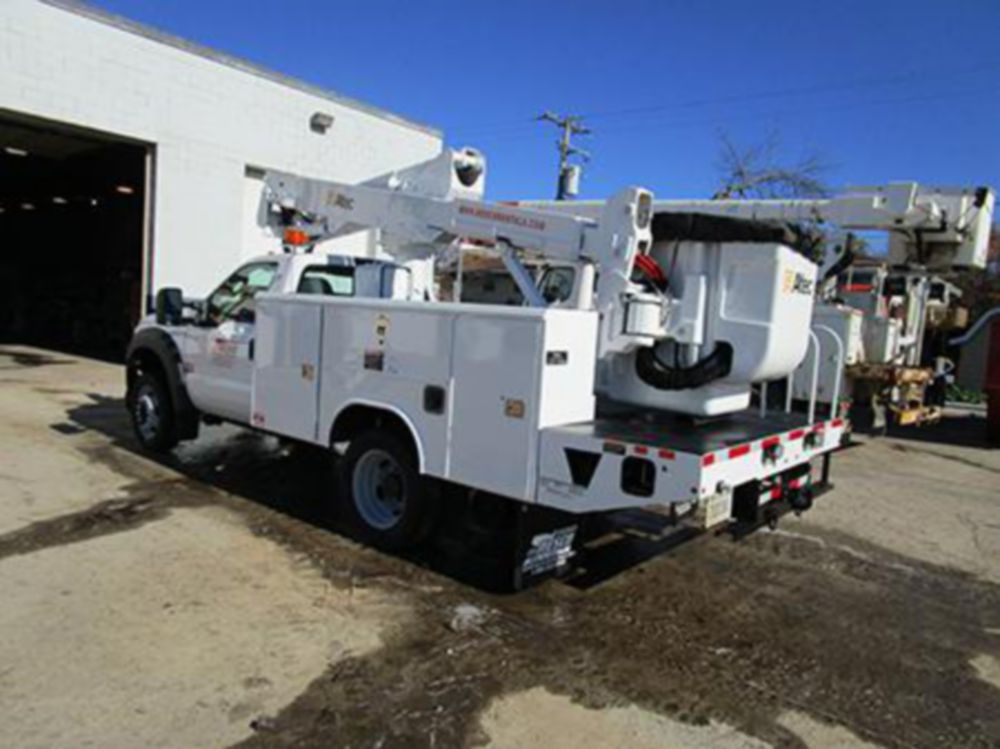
{"points": [[233, 300]]}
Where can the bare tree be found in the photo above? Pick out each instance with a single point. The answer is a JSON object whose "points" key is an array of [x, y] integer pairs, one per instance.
{"points": [[756, 172]]}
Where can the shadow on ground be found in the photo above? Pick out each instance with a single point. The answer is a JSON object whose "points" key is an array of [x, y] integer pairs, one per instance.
{"points": [[474, 544], [966, 430], [20, 359]]}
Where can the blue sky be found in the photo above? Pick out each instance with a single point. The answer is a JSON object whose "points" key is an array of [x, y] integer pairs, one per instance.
{"points": [[880, 91]]}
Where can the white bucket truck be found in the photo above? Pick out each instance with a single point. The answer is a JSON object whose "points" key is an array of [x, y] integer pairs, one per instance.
{"points": [[615, 386]]}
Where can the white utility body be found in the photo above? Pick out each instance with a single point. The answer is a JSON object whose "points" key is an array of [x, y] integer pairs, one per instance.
{"points": [[561, 403], [517, 387]]}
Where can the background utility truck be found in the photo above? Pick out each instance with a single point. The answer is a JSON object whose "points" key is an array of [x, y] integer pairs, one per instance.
{"points": [[626, 389]]}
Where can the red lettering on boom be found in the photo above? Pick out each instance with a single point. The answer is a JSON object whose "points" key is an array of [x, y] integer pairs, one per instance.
{"points": [[504, 218]]}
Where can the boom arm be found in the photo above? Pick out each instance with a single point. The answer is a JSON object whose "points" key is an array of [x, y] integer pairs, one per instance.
{"points": [[417, 216], [940, 228], [423, 210]]}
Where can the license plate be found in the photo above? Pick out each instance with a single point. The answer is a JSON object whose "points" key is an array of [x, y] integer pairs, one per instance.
{"points": [[715, 510]]}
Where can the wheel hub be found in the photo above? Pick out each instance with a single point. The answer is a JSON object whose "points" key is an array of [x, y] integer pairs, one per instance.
{"points": [[147, 415], [379, 489]]}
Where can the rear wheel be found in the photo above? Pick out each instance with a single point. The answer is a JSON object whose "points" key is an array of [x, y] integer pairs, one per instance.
{"points": [[152, 414], [392, 504]]}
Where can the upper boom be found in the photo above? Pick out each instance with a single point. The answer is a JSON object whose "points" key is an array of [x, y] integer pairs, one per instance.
{"points": [[939, 228]]}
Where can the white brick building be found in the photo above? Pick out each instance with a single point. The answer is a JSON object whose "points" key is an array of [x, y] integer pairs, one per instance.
{"points": [[127, 162]]}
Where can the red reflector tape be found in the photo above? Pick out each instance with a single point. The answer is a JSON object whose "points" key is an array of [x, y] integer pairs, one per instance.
{"points": [[707, 460], [667, 454], [738, 451], [641, 450], [775, 492], [797, 434], [837, 423], [770, 442]]}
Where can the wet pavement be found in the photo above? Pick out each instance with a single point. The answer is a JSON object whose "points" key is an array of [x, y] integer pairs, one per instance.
{"points": [[833, 622]]}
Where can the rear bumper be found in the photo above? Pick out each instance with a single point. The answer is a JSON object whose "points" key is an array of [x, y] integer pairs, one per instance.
{"points": [[615, 464], [593, 549], [764, 503]]}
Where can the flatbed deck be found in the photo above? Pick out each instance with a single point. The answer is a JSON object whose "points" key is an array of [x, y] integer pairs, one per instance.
{"points": [[687, 435]]}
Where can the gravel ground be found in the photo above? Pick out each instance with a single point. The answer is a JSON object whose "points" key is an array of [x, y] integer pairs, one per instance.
{"points": [[211, 599]]}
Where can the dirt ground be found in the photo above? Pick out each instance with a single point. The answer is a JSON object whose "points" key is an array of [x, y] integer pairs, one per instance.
{"points": [[211, 599]]}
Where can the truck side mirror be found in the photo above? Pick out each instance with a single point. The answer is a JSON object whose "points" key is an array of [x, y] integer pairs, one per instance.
{"points": [[169, 306]]}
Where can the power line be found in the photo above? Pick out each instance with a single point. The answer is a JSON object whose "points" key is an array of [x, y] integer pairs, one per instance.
{"points": [[656, 122], [810, 90], [516, 127], [855, 106]]}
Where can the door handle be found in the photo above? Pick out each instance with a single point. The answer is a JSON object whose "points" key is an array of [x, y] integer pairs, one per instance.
{"points": [[250, 350]]}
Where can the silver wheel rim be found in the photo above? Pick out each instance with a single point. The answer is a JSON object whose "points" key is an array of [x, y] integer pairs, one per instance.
{"points": [[379, 489], [147, 414]]}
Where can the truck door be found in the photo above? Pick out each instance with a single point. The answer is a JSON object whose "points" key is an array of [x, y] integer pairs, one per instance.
{"points": [[219, 354]]}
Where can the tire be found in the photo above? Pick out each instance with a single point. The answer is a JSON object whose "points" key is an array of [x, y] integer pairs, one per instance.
{"points": [[152, 412], [392, 505]]}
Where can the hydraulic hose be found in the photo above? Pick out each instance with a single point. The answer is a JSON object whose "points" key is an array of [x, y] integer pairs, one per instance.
{"points": [[652, 371]]}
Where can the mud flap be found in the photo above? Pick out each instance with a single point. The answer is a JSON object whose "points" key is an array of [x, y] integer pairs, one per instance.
{"points": [[544, 543]]}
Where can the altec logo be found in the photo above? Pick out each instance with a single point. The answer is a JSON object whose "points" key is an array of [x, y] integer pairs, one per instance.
{"points": [[338, 200], [796, 282]]}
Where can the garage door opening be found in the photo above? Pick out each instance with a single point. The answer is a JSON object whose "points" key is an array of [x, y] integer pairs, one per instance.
{"points": [[74, 228]]}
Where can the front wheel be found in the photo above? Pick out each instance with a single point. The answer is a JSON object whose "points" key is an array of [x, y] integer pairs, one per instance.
{"points": [[153, 414], [391, 502]]}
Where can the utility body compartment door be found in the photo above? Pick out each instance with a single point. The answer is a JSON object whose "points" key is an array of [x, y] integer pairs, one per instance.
{"points": [[287, 367], [387, 355], [515, 374], [495, 412]]}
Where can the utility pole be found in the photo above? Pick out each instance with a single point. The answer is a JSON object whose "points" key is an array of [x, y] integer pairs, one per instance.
{"points": [[569, 174]]}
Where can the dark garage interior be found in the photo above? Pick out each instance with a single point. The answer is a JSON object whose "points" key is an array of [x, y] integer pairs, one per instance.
{"points": [[74, 226]]}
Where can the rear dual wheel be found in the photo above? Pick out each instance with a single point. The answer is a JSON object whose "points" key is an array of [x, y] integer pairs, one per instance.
{"points": [[390, 502]]}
